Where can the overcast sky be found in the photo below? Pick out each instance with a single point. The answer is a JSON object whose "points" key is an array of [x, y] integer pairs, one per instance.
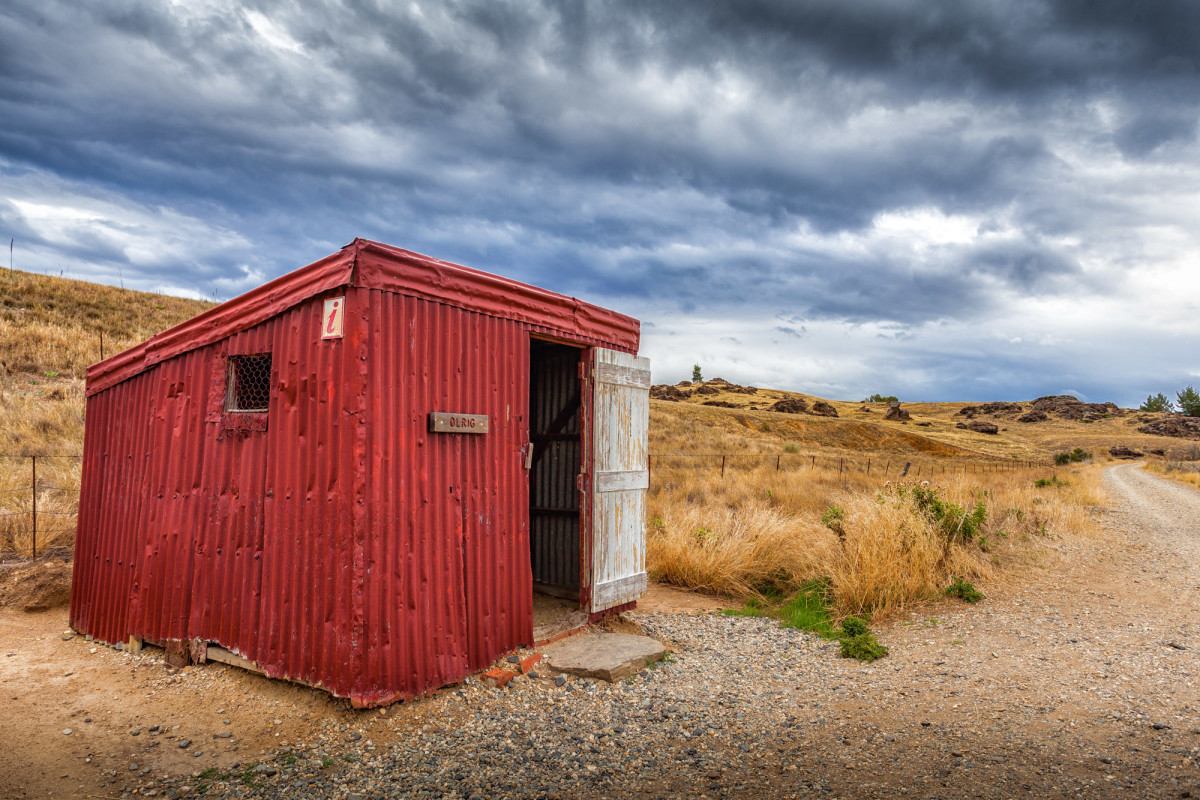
{"points": [[960, 200]]}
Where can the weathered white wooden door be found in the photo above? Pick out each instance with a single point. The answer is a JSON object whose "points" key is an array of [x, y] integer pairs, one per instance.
{"points": [[620, 476]]}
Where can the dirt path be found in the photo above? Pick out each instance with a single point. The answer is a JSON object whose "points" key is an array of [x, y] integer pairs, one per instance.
{"points": [[1068, 686]]}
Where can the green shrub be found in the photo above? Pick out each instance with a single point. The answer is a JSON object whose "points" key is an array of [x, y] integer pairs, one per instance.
{"points": [[964, 591], [834, 518], [858, 642], [1072, 457], [955, 522], [1053, 480]]}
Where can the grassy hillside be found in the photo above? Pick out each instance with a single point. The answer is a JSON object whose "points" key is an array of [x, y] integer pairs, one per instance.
{"points": [[52, 327], [50, 331], [695, 424]]}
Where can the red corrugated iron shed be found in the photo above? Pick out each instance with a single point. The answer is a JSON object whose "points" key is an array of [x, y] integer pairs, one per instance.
{"points": [[359, 474]]}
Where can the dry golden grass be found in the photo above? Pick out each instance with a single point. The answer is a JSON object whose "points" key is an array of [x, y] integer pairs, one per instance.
{"points": [[49, 333], [761, 528], [51, 327], [42, 417], [1184, 472]]}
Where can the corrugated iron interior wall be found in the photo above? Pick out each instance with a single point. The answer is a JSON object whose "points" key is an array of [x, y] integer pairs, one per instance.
{"points": [[556, 430]]}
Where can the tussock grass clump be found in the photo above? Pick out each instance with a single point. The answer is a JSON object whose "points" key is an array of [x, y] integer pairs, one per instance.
{"points": [[733, 550]]}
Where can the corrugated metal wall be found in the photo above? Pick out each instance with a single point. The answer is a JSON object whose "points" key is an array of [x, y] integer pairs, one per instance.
{"points": [[447, 568], [344, 545]]}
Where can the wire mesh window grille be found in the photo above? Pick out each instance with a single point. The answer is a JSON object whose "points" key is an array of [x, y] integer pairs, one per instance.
{"points": [[249, 387]]}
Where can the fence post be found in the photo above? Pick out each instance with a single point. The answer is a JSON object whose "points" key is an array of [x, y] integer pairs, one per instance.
{"points": [[814, 462], [33, 536], [777, 458], [101, 345], [722, 466], [840, 460], [868, 466]]}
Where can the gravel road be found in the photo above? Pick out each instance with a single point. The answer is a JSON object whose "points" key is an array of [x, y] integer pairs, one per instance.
{"points": [[1081, 682]]}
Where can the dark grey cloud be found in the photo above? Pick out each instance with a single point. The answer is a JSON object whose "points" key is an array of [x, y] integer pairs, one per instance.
{"points": [[876, 162]]}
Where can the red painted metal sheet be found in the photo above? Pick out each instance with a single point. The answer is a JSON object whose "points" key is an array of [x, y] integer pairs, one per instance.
{"points": [[222, 321], [394, 269], [367, 264]]}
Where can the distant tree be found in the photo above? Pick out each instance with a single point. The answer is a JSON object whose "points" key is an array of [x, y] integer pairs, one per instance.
{"points": [[1157, 402], [696, 377], [882, 398], [1189, 402]]}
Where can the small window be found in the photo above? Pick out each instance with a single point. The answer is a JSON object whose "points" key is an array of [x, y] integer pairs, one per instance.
{"points": [[249, 387]]}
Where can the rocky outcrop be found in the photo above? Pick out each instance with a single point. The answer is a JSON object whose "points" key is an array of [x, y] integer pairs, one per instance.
{"points": [[667, 392], [1033, 416], [1067, 407], [995, 409], [706, 388], [823, 409], [1121, 451], [790, 405], [1174, 425], [896, 413], [719, 404]]}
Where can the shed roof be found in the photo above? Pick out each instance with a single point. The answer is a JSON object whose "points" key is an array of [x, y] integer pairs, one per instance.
{"points": [[368, 264]]}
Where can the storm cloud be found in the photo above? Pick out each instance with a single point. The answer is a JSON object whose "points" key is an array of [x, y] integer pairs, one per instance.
{"points": [[963, 200]]}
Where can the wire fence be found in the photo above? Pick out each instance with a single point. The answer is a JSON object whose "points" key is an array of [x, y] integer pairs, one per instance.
{"points": [[884, 467], [39, 501], [39, 494]]}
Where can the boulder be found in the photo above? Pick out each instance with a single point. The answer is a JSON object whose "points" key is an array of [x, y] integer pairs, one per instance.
{"points": [[823, 409], [1121, 451], [895, 412], [790, 405], [1033, 416], [706, 388], [720, 404], [864, 408], [979, 426]]}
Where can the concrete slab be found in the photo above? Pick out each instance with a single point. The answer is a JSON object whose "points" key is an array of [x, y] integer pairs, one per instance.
{"points": [[605, 656]]}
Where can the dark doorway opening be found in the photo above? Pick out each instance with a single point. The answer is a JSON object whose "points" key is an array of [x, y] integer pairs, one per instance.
{"points": [[556, 436]]}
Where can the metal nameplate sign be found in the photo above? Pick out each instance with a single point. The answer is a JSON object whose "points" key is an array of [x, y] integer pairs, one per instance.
{"points": [[441, 422]]}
